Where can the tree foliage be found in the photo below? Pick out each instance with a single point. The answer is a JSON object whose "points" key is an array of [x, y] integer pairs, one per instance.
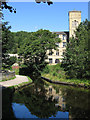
{"points": [[4, 5], [44, 1], [34, 48], [75, 61], [19, 38], [7, 44]]}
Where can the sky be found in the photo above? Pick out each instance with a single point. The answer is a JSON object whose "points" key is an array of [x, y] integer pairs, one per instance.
{"points": [[31, 16]]}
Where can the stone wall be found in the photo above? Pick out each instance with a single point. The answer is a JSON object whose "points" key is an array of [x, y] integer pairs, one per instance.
{"points": [[8, 75]]}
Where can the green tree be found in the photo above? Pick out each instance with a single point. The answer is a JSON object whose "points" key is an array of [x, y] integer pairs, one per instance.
{"points": [[35, 47], [7, 44], [75, 61], [11, 60], [4, 5], [19, 38]]}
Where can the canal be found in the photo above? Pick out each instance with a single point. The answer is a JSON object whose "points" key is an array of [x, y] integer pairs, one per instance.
{"points": [[44, 100]]}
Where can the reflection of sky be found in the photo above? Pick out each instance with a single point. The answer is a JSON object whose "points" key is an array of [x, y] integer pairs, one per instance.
{"points": [[61, 115], [21, 111]]}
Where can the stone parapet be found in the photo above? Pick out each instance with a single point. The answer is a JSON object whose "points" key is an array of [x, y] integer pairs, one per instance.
{"points": [[8, 75]]}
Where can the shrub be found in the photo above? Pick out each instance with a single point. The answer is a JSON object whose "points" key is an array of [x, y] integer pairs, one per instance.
{"points": [[46, 70], [54, 73], [59, 76]]}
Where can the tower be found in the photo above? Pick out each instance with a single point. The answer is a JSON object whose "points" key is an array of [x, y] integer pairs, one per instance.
{"points": [[74, 21]]}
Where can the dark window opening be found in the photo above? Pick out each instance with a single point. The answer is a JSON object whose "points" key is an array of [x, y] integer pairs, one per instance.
{"points": [[64, 36], [57, 53], [64, 44], [57, 61], [50, 60], [50, 52]]}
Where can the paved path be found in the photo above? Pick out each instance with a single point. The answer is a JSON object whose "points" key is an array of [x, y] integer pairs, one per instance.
{"points": [[19, 79]]}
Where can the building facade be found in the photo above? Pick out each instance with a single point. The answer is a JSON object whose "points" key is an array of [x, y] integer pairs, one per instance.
{"points": [[56, 56], [74, 21]]}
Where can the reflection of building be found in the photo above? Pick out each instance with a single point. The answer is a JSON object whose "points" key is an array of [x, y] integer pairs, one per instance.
{"points": [[57, 96], [74, 21]]}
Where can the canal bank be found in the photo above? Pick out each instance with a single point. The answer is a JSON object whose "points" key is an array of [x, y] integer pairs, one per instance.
{"points": [[56, 74], [66, 83]]}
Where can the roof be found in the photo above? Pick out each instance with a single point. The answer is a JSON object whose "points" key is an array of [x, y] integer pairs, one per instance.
{"points": [[63, 32], [15, 64], [74, 11]]}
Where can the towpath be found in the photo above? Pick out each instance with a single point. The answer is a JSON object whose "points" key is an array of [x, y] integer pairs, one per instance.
{"points": [[19, 79]]}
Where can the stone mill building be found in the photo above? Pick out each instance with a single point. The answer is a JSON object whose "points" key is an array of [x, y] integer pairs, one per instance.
{"points": [[74, 21]]}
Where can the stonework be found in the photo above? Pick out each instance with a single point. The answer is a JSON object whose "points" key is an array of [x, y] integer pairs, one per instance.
{"points": [[8, 75], [74, 21]]}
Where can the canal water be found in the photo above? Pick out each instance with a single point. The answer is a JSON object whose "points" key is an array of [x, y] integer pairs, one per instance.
{"points": [[43, 100]]}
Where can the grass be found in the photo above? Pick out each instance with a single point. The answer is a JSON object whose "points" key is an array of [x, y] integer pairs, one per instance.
{"points": [[56, 73], [16, 71], [8, 79], [30, 80]]}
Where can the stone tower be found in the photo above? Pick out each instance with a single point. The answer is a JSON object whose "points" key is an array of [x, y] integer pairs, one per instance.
{"points": [[74, 21]]}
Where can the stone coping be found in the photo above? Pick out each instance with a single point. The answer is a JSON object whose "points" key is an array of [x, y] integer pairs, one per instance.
{"points": [[65, 83]]}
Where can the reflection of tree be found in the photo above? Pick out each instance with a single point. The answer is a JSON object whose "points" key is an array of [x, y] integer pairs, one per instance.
{"points": [[7, 112], [76, 102], [42, 104], [36, 101]]}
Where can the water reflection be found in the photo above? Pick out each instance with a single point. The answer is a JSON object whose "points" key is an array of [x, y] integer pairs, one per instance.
{"points": [[48, 101], [76, 101], [21, 111]]}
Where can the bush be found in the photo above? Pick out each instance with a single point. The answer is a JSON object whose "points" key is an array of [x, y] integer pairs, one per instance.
{"points": [[59, 76], [17, 71], [24, 71], [54, 73], [46, 70], [57, 69]]}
